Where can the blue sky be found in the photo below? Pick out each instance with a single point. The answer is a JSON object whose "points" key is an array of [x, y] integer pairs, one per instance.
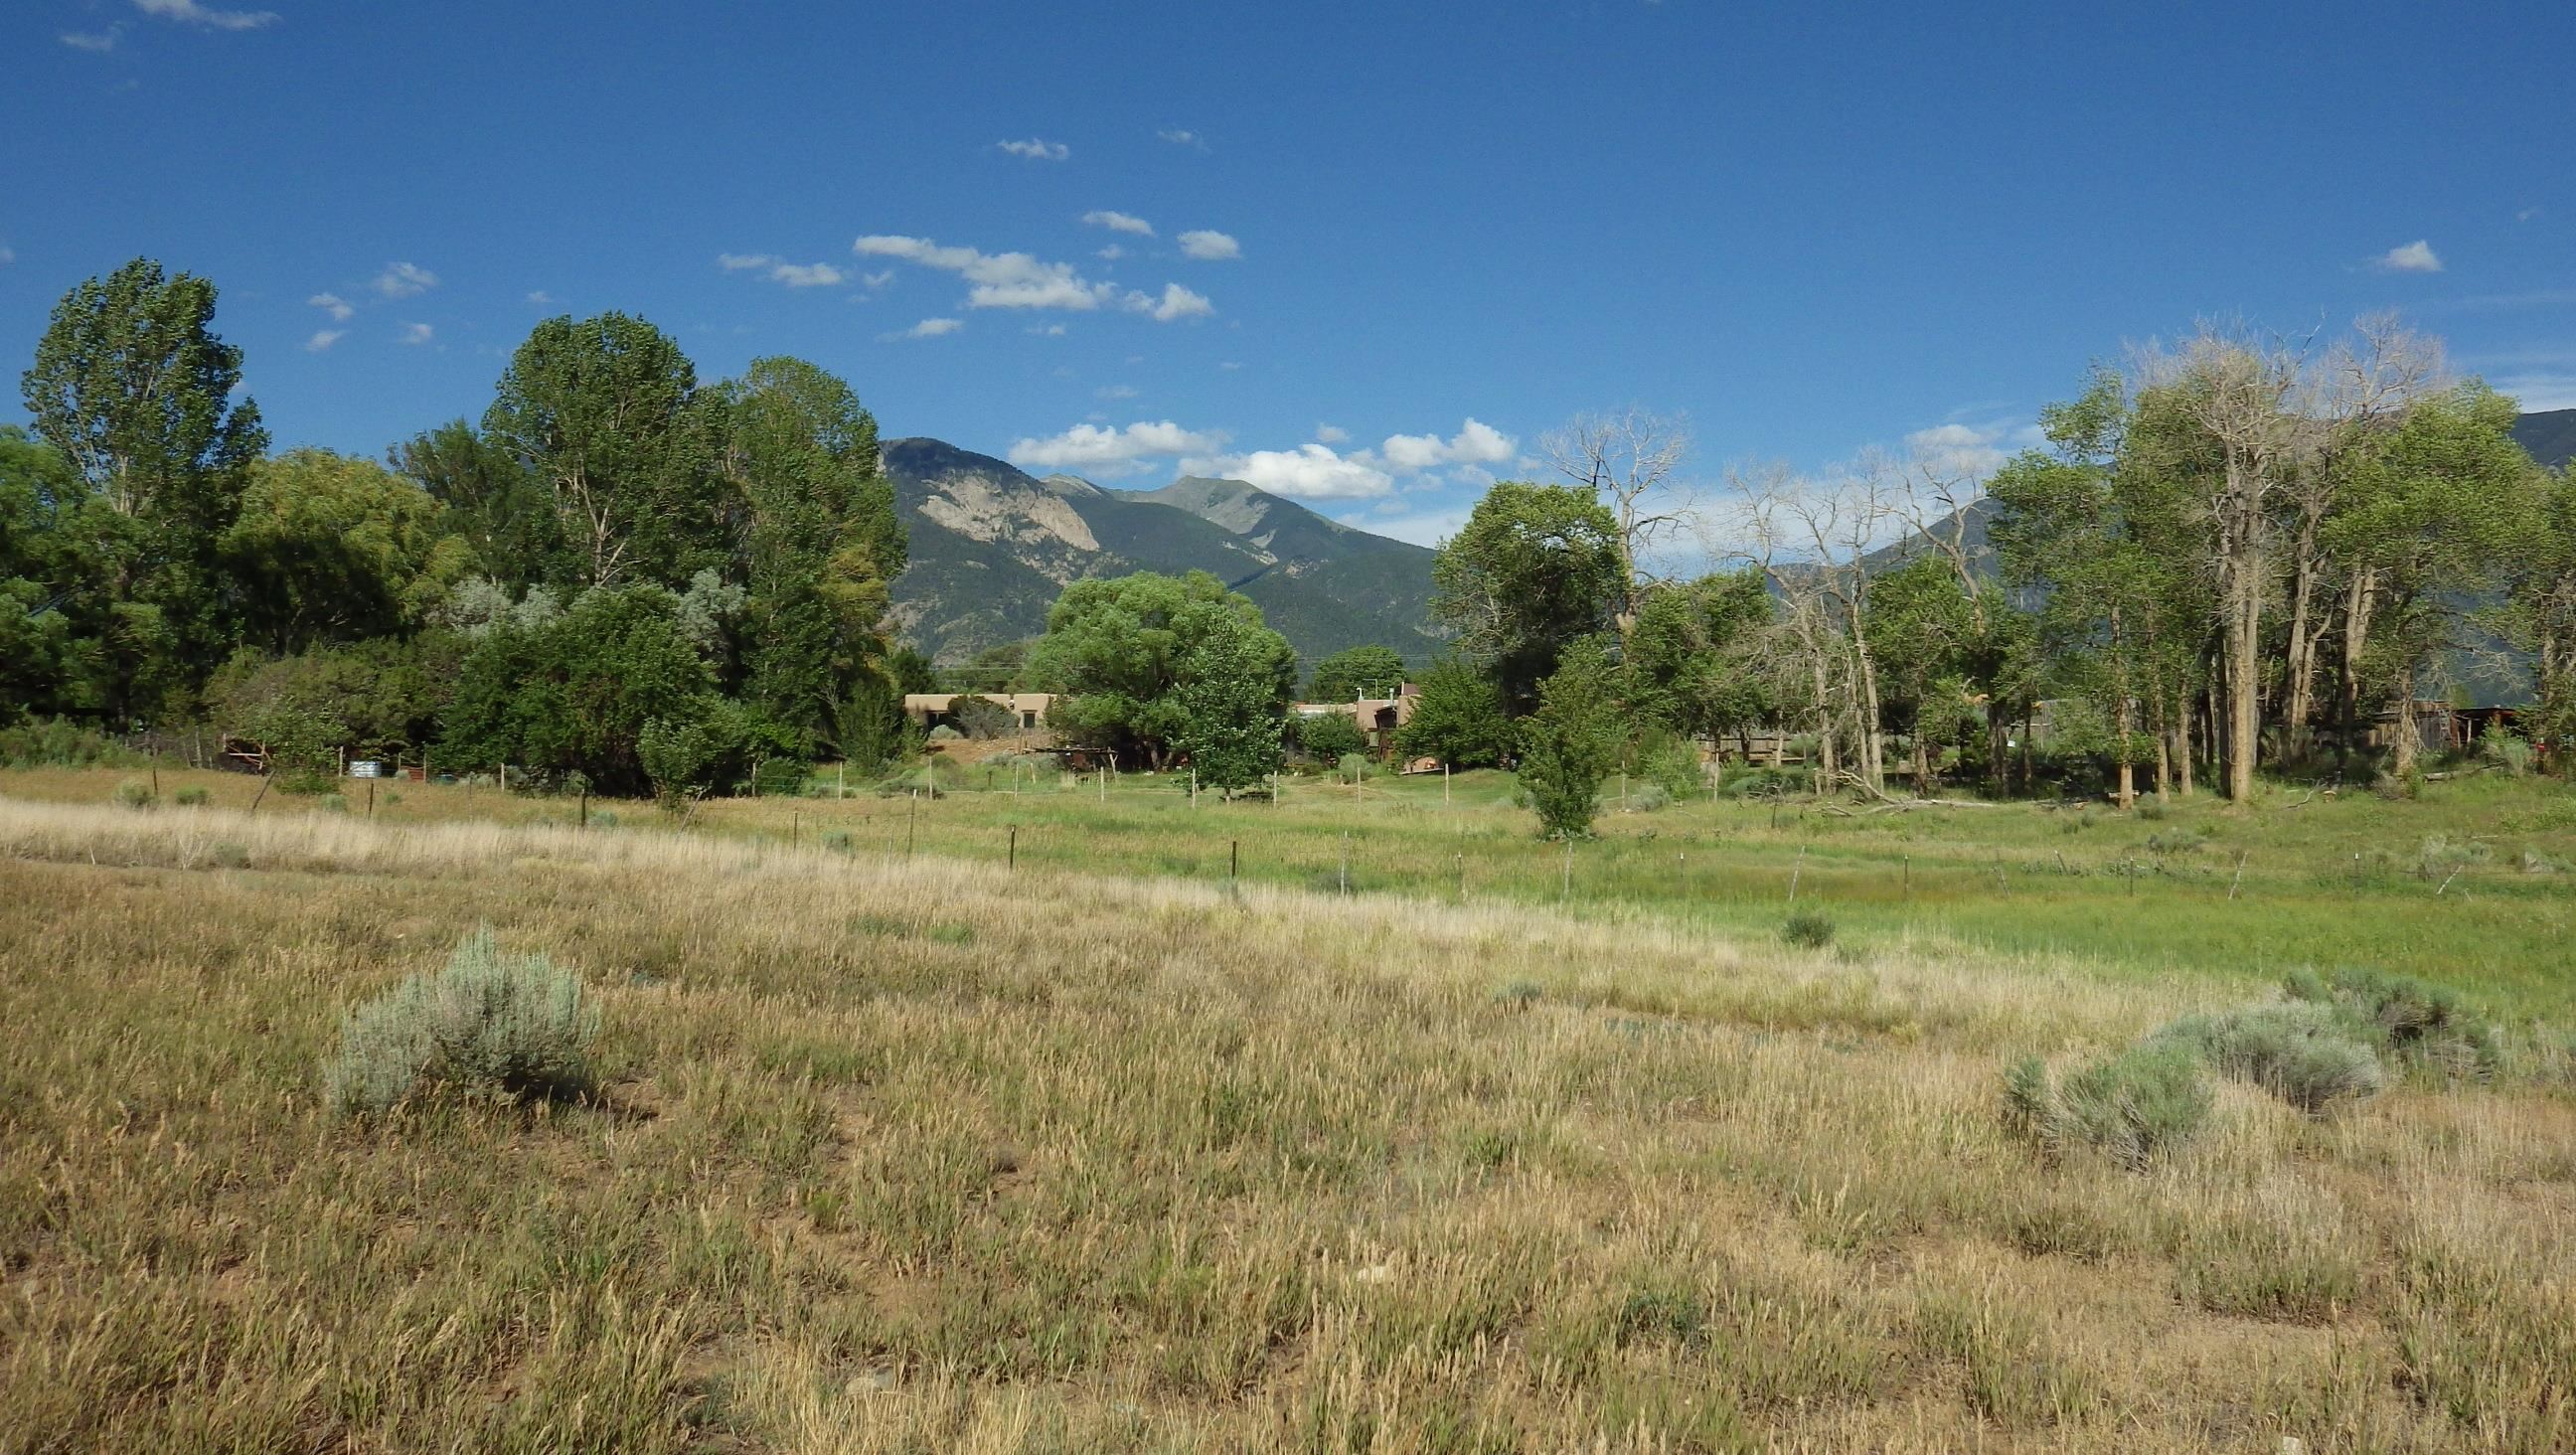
{"points": [[1389, 244]]}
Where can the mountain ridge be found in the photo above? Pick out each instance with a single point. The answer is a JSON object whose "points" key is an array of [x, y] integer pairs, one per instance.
{"points": [[992, 547]]}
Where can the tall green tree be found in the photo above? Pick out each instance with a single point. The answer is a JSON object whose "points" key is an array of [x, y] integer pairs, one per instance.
{"points": [[2439, 516], [1356, 672], [604, 412], [821, 543], [1117, 647], [505, 515], [2541, 602], [1457, 718], [49, 596], [134, 388], [1690, 658], [576, 693], [330, 549], [1535, 569], [1572, 742], [1231, 705]]}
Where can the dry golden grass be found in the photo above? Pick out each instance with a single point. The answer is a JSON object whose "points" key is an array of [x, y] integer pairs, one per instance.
{"points": [[925, 1156]]}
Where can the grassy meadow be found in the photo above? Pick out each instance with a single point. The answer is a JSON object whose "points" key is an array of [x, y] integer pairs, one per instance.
{"points": [[919, 1135]]}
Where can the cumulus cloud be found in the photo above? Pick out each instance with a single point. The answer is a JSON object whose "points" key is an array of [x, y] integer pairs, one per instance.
{"points": [[1018, 280], [779, 270], [1111, 253], [2414, 257], [927, 328], [1180, 138], [1476, 443], [1176, 302], [323, 339], [189, 12], [1332, 434], [1394, 520], [1209, 246], [93, 40], [1045, 330], [541, 297], [1960, 449], [1110, 453], [1314, 471], [999, 280], [404, 280], [1119, 222], [879, 278], [418, 333], [1036, 150], [333, 304]]}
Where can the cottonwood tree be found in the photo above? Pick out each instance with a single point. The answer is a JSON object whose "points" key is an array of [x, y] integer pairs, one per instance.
{"points": [[1628, 459], [2439, 515], [330, 549], [605, 413], [1457, 718], [819, 544], [2541, 612], [2242, 393], [1119, 649], [1535, 568], [1231, 702], [134, 389], [1356, 672], [1691, 660], [1812, 538]]}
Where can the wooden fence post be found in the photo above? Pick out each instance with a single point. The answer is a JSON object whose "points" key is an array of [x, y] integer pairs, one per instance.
{"points": [[1011, 860], [1794, 871]]}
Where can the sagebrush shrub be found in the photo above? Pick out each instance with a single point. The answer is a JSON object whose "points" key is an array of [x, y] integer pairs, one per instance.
{"points": [[135, 793], [1648, 798], [1808, 930], [508, 1025], [2146, 1100], [2309, 1055], [190, 798], [2412, 1019]]}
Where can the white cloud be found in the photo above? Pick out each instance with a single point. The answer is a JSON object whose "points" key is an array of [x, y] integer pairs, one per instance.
{"points": [[878, 279], [1115, 391], [403, 280], [1036, 150], [2415, 257], [779, 270], [93, 40], [418, 333], [2521, 215], [1018, 280], [1475, 443], [1111, 253], [927, 328], [1229, 366], [1332, 434], [332, 303], [541, 298], [1209, 246], [2539, 390], [1310, 470], [1176, 302], [1184, 139], [1119, 222], [1429, 528], [323, 339], [1960, 449], [1001, 280], [1112, 452], [192, 13], [1046, 330]]}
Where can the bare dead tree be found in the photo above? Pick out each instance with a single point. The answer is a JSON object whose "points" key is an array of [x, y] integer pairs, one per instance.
{"points": [[1629, 458]]}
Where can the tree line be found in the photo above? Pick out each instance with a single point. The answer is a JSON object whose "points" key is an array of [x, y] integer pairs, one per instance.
{"points": [[619, 572]]}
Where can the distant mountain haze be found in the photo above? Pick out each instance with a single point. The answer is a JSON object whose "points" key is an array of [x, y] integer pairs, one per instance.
{"points": [[992, 547]]}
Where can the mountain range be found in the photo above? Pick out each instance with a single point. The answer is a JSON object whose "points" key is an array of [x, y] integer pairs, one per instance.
{"points": [[992, 547]]}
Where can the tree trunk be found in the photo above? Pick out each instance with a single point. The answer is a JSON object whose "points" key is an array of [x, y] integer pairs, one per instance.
{"points": [[2404, 761], [2244, 683], [2128, 779]]}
